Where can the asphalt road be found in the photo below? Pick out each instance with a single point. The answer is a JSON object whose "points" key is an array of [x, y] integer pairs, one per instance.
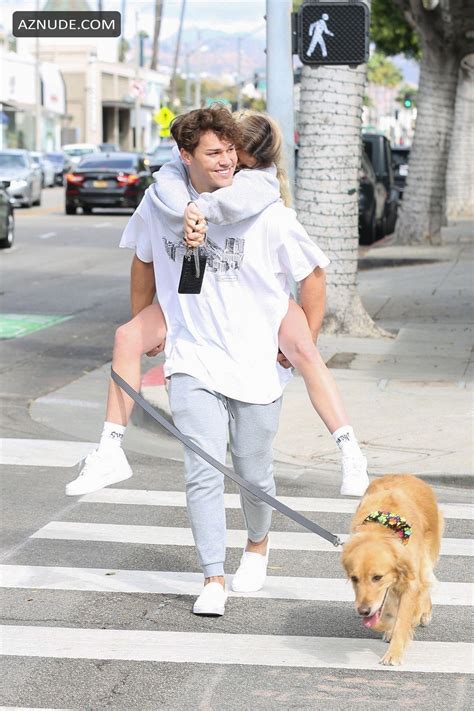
{"points": [[87, 623]]}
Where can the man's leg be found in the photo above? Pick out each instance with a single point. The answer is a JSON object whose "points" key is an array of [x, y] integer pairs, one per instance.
{"points": [[252, 431], [200, 414]]}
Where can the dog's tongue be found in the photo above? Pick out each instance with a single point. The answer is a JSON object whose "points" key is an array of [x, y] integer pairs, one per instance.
{"points": [[372, 620]]}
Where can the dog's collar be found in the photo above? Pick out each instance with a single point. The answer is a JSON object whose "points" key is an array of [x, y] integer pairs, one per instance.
{"points": [[398, 524]]}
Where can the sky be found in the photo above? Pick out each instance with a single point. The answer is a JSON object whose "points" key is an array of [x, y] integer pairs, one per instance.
{"points": [[234, 16]]}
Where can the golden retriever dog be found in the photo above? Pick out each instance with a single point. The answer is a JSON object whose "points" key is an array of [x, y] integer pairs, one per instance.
{"points": [[390, 555]]}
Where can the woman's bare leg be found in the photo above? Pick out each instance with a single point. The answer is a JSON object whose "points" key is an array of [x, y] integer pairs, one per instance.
{"points": [[108, 464], [132, 340], [296, 343]]}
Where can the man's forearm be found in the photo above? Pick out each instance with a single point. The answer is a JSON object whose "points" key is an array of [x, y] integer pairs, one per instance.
{"points": [[142, 285], [313, 299]]}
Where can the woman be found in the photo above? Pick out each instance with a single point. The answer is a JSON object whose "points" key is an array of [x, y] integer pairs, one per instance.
{"points": [[259, 150]]}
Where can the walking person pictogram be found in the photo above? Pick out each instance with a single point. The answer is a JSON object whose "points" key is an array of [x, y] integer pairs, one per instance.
{"points": [[316, 31]]}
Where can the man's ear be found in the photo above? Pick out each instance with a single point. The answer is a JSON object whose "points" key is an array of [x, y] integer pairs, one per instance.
{"points": [[186, 156]]}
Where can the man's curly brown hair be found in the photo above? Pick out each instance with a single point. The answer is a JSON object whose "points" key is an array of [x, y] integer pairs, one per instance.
{"points": [[188, 128]]}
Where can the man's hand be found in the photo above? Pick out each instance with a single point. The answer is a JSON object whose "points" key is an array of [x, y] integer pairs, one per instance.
{"points": [[157, 349], [283, 360], [194, 220]]}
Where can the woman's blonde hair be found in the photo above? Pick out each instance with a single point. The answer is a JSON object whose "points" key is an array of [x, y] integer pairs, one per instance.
{"points": [[260, 137]]}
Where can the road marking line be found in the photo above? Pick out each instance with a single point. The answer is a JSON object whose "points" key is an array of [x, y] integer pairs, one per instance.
{"points": [[171, 536], [142, 497], [43, 452], [173, 583], [47, 235], [218, 648], [99, 225]]}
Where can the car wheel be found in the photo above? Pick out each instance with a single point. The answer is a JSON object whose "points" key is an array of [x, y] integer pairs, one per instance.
{"points": [[9, 238], [37, 202], [368, 231], [70, 209], [87, 210]]}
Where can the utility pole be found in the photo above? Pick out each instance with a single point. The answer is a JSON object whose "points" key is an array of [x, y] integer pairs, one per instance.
{"points": [[239, 73], [176, 58], [280, 76], [38, 116], [137, 145]]}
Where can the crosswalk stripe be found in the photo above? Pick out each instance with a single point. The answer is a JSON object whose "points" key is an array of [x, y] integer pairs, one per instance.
{"points": [[174, 583], [43, 452], [218, 648], [142, 497], [173, 536]]}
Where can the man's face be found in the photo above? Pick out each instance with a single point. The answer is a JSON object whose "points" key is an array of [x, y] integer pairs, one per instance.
{"points": [[212, 165]]}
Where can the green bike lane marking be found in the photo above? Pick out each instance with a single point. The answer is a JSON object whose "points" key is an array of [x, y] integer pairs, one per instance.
{"points": [[18, 325]]}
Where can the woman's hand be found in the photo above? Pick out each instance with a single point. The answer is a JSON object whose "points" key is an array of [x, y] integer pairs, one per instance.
{"points": [[194, 221], [157, 349]]}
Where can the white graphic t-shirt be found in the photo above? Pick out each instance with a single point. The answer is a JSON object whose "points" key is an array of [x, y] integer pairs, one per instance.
{"points": [[227, 336]]}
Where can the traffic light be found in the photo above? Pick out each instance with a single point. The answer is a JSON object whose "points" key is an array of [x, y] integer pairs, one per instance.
{"points": [[333, 33], [408, 101]]}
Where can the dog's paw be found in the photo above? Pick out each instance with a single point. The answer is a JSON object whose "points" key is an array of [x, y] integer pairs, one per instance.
{"points": [[391, 659], [425, 619], [387, 636]]}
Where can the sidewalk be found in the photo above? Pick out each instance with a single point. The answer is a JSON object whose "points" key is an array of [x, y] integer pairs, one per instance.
{"points": [[409, 398]]}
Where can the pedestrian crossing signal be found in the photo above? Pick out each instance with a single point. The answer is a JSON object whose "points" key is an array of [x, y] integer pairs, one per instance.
{"points": [[333, 33]]}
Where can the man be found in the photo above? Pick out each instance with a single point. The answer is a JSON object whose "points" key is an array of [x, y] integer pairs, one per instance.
{"points": [[222, 344]]}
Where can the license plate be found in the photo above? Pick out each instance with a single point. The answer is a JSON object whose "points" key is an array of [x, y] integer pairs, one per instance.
{"points": [[99, 183]]}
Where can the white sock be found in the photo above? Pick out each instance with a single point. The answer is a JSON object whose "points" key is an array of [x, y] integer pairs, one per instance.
{"points": [[347, 441], [112, 436]]}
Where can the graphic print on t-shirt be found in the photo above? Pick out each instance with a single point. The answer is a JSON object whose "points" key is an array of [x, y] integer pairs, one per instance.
{"points": [[224, 262]]}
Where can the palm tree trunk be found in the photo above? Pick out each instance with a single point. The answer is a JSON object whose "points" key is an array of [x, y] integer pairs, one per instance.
{"points": [[156, 34], [460, 182], [327, 185], [423, 209]]}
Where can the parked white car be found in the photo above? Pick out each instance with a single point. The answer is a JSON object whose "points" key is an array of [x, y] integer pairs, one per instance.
{"points": [[76, 151]]}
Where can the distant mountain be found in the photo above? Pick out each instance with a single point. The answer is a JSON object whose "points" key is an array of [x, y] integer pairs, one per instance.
{"points": [[220, 56]]}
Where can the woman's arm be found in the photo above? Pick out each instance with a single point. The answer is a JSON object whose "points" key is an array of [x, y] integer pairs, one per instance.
{"points": [[250, 193]]}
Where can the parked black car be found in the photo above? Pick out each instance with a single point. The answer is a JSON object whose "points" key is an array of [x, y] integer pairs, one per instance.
{"points": [[61, 165], [7, 219], [161, 155], [378, 149], [400, 156], [107, 180], [372, 196]]}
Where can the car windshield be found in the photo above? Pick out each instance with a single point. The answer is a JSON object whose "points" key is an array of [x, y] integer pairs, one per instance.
{"points": [[111, 164], [56, 158], [399, 158], [78, 151], [163, 152], [10, 160]]}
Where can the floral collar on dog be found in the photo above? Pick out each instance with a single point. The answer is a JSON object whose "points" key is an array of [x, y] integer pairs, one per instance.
{"points": [[398, 524]]}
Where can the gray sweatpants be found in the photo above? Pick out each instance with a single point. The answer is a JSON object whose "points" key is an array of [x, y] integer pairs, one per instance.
{"points": [[206, 417]]}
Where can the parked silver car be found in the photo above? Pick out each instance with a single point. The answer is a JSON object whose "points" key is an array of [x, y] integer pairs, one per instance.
{"points": [[17, 167], [46, 167]]}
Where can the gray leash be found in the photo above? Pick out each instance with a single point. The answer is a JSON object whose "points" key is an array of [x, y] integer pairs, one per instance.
{"points": [[262, 495]]}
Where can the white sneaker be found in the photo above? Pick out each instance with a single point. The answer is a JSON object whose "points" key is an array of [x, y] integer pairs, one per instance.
{"points": [[252, 571], [211, 601], [99, 470], [354, 476]]}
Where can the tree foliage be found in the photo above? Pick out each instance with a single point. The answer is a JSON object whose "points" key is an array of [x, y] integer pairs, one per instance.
{"points": [[382, 71], [390, 31]]}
